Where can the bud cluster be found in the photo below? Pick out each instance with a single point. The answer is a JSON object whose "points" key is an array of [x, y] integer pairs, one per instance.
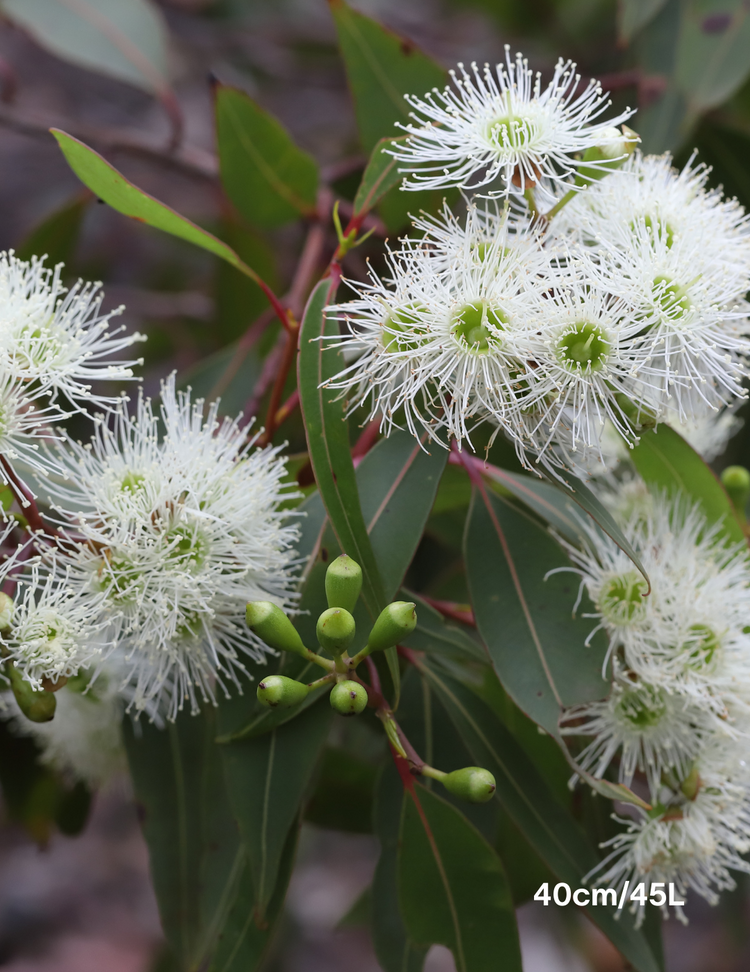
{"points": [[336, 631]]}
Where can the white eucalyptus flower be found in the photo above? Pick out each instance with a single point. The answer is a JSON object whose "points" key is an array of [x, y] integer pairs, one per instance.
{"points": [[176, 534], [501, 124]]}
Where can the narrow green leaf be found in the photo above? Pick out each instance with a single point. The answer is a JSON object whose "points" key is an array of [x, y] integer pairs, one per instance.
{"points": [[328, 442], [124, 39], [379, 177], [557, 505], [266, 778], [381, 68], [713, 52], [634, 15], [268, 178], [242, 944], [394, 950], [115, 190], [666, 461], [536, 645], [187, 824], [452, 887], [525, 795], [57, 235]]}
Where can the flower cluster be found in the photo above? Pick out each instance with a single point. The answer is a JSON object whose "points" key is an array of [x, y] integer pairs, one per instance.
{"points": [[678, 717], [621, 306], [54, 343]]}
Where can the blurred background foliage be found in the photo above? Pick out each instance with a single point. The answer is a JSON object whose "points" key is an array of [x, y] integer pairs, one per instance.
{"points": [[138, 81]]}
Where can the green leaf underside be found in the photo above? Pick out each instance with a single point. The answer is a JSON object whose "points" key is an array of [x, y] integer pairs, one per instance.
{"points": [[380, 176], [666, 461], [115, 190], [381, 67], [125, 39], [536, 645], [452, 887], [242, 944], [394, 950], [192, 841], [525, 795], [266, 778], [268, 178]]}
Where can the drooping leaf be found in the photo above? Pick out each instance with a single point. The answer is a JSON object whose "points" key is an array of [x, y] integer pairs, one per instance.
{"points": [[667, 461], [188, 828], [393, 948], [452, 887], [115, 190], [634, 15], [266, 778], [713, 53], [57, 235], [525, 795], [242, 945], [125, 39], [268, 178], [381, 67], [380, 176], [538, 648]]}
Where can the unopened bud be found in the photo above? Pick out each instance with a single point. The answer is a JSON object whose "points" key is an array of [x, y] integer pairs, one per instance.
{"points": [[471, 783], [6, 611], [348, 698], [343, 583], [736, 480], [615, 146], [691, 784], [36, 705], [335, 630], [271, 625], [396, 622], [278, 691]]}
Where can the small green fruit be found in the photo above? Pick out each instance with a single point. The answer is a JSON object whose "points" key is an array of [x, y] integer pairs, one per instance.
{"points": [[278, 691], [395, 623], [343, 583], [36, 705], [471, 783], [335, 630], [736, 480], [271, 625], [348, 698]]}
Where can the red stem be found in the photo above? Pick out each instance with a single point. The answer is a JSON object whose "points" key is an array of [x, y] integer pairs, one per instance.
{"points": [[28, 503], [451, 610], [288, 358], [367, 439]]}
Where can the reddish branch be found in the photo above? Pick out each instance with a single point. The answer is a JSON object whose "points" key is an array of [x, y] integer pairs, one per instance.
{"points": [[287, 360], [457, 612], [30, 509]]}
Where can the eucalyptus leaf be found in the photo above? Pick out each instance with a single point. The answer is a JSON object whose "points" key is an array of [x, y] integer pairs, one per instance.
{"points": [[268, 178], [525, 614], [57, 235], [380, 176], [381, 67], [452, 886], [634, 15], [666, 461], [125, 39], [713, 54], [266, 778]]}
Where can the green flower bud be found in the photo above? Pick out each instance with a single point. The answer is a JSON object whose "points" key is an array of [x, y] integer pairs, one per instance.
{"points": [[278, 691], [615, 147], [335, 630], [736, 480], [343, 583], [36, 705], [348, 698], [396, 622], [6, 611], [271, 625], [471, 783]]}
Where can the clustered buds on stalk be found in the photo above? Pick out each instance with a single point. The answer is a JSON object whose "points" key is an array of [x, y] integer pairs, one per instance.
{"points": [[336, 631]]}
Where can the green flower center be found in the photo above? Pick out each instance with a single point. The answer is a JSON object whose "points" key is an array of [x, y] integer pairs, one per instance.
{"points": [[131, 481], [658, 228], [475, 326], [187, 547], [583, 347], [642, 708], [508, 132], [702, 645], [671, 297], [406, 321], [621, 599]]}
